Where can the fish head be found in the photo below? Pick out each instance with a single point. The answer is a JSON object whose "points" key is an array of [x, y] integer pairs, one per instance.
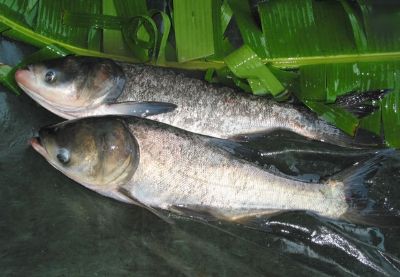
{"points": [[99, 153], [72, 83]]}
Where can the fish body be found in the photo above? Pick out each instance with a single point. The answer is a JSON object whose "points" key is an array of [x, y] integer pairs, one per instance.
{"points": [[216, 111], [95, 88], [163, 167], [181, 169]]}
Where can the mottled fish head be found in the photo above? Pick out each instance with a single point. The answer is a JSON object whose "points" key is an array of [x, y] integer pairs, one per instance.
{"points": [[99, 153], [72, 84]]}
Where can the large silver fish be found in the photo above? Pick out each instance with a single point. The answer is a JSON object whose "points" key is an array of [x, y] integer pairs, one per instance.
{"points": [[155, 165], [74, 87]]}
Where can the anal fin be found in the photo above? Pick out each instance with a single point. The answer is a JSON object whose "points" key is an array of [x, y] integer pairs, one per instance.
{"points": [[212, 214]]}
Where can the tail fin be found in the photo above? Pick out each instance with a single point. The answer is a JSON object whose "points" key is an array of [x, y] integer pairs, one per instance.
{"points": [[360, 104], [362, 209], [363, 139]]}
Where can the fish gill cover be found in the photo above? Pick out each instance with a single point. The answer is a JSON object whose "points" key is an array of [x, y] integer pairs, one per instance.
{"points": [[314, 50]]}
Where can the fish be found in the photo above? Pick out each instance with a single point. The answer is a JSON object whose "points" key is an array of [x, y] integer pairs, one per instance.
{"points": [[164, 168], [74, 87]]}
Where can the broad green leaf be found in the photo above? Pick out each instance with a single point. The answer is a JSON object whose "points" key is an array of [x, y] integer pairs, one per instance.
{"points": [[391, 105], [23, 11], [49, 23], [305, 28], [372, 122], [137, 28], [380, 21], [197, 28], [358, 31], [226, 15], [97, 21], [130, 8], [7, 78], [337, 116], [325, 82], [244, 63], [46, 53], [391, 117], [3, 27], [226, 77], [113, 42], [163, 34], [251, 34], [140, 34], [331, 47]]}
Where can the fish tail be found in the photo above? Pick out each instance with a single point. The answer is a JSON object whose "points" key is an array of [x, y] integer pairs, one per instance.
{"points": [[361, 104], [361, 139], [362, 209]]}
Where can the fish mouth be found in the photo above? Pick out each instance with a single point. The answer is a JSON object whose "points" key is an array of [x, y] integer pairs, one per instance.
{"points": [[24, 80], [37, 145], [22, 76]]}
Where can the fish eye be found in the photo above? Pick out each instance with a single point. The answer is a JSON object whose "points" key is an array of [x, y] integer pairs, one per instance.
{"points": [[50, 76], [63, 155]]}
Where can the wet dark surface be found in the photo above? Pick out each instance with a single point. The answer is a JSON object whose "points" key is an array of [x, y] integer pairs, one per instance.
{"points": [[51, 226]]}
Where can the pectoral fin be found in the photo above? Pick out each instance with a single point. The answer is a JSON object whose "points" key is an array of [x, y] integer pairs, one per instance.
{"points": [[158, 213], [139, 109]]}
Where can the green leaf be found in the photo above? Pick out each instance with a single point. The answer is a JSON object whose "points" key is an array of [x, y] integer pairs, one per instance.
{"points": [[325, 82], [7, 78], [249, 31], [305, 28], [48, 21], [391, 115], [379, 22], [226, 15], [372, 122], [164, 33], [197, 28], [337, 116], [140, 34], [244, 63], [358, 31], [330, 47], [22, 11], [306, 32], [3, 27], [97, 21], [112, 39]]}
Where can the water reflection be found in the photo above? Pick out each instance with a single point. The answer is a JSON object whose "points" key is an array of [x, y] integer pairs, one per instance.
{"points": [[51, 226]]}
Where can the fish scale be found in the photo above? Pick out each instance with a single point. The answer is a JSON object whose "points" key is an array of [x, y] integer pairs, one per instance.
{"points": [[219, 111]]}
